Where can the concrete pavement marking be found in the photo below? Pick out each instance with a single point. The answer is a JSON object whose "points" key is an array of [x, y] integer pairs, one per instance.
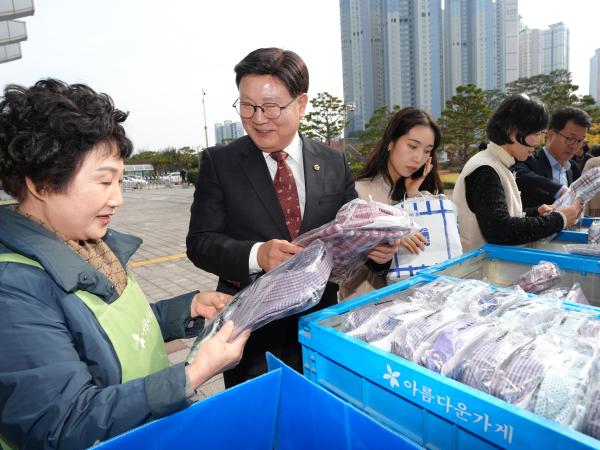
{"points": [[160, 259]]}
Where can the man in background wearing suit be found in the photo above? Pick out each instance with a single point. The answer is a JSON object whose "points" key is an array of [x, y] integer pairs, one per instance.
{"points": [[547, 173], [258, 193]]}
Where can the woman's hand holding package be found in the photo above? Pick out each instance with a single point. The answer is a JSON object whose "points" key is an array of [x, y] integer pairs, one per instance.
{"points": [[571, 212], [216, 355], [544, 209], [208, 304], [414, 243]]}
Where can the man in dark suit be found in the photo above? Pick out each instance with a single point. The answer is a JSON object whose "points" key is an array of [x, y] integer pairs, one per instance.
{"points": [[244, 217], [548, 172]]}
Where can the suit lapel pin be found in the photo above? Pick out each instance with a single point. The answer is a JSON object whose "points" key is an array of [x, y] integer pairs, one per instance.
{"points": [[316, 167]]}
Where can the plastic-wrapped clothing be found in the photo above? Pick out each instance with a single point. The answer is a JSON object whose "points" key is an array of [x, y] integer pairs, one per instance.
{"points": [[410, 341], [292, 287], [584, 189], [542, 276], [479, 369], [560, 396], [583, 249], [531, 315], [358, 227], [494, 303], [519, 376], [452, 342], [594, 233]]}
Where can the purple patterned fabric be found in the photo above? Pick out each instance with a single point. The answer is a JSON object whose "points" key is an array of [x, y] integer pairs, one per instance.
{"points": [[451, 340], [479, 368], [292, 287], [384, 318], [357, 317], [358, 227], [407, 345], [519, 376], [542, 276]]}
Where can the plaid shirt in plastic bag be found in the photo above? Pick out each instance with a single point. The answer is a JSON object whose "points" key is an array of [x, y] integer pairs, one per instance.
{"points": [[358, 227]]}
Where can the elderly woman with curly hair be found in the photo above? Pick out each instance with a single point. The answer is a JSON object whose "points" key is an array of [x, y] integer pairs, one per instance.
{"points": [[82, 355]]}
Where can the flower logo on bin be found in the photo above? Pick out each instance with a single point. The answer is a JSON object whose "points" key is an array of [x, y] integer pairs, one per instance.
{"points": [[392, 376]]}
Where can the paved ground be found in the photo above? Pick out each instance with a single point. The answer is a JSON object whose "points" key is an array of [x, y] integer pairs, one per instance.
{"points": [[161, 217]]}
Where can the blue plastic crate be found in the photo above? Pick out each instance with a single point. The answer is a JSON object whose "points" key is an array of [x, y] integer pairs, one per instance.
{"points": [[557, 244], [501, 265], [432, 410], [279, 410], [584, 223]]}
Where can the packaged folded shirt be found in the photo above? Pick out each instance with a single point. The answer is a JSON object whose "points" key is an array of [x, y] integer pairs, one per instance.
{"points": [[292, 287], [358, 227]]}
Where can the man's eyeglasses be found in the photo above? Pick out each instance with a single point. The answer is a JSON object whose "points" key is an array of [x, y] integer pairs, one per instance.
{"points": [[571, 140], [270, 110]]}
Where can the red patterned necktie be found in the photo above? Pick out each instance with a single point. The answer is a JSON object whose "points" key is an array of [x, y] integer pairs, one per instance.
{"points": [[285, 186]]}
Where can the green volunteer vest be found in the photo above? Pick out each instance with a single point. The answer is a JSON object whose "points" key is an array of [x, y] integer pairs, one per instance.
{"points": [[128, 322]]}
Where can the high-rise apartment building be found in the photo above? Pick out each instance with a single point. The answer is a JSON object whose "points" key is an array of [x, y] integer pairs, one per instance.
{"points": [[469, 44], [480, 43], [543, 51], [530, 52], [228, 131], [391, 55], [555, 48], [595, 76], [363, 71], [411, 53], [507, 42], [13, 32]]}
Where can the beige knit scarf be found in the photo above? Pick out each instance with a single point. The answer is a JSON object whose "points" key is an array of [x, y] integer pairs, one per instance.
{"points": [[95, 252]]}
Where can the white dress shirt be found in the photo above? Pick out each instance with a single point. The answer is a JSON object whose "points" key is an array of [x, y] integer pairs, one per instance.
{"points": [[295, 162]]}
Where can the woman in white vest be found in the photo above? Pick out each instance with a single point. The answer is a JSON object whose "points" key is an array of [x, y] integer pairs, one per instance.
{"points": [[487, 199], [82, 354], [402, 164]]}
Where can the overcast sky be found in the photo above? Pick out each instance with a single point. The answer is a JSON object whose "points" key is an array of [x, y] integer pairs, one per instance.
{"points": [[155, 57]]}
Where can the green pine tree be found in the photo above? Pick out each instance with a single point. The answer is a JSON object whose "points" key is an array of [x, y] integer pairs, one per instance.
{"points": [[464, 121], [326, 121]]}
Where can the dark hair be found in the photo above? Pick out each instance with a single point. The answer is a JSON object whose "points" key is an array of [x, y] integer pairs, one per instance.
{"points": [[283, 64], [46, 131], [563, 115], [399, 125], [517, 113]]}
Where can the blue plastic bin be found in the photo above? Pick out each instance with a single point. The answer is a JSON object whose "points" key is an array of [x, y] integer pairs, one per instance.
{"points": [[279, 410], [502, 265], [557, 244], [430, 409], [584, 223]]}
